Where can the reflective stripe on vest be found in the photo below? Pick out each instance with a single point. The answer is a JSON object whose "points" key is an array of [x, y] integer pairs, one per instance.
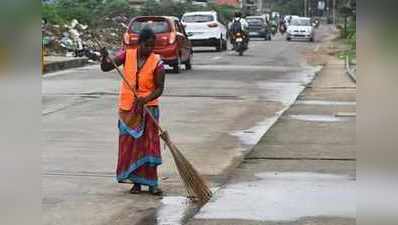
{"points": [[146, 79]]}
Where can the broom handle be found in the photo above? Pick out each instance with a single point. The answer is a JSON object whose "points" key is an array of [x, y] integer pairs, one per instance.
{"points": [[131, 88]]}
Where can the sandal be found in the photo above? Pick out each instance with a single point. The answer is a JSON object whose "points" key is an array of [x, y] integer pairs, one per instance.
{"points": [[136, 189], [154, 190]]}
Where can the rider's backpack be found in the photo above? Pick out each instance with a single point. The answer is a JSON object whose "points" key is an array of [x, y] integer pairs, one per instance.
{"points": [[236, 27]]}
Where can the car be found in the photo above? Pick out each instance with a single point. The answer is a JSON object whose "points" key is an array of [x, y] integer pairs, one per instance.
{"points": [[206, 29], [258, 27], [300, 28], [172, 43], [288, 18]]}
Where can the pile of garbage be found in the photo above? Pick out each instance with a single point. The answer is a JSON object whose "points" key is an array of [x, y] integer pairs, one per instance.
{"points": [[76, 39]]}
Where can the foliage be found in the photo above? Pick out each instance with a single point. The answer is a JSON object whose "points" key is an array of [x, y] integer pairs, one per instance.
{"points": [[350, 38], [50, 13], [85, 11], [288, 7], [93, 12]]}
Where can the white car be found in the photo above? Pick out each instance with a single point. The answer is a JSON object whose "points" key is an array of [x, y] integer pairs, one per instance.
{"points": [[300, 28], [289, 18], [205, 29]]}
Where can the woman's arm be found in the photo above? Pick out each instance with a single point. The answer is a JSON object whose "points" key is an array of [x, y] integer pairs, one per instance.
{"points": [[106, 64]]}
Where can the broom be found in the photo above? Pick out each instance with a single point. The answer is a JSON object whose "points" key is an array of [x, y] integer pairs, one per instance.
{"points": [[193, 182]]}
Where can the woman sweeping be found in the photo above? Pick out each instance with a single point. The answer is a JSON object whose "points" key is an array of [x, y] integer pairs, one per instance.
{"points": [[139, 142]]}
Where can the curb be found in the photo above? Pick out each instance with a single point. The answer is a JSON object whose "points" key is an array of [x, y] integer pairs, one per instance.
{"points": [[65, 64], [349, 71]]}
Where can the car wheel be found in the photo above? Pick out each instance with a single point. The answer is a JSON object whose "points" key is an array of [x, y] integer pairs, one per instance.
{"points": [[188, 65], [312, 39], [224, 45], [288, 39], [219, 44], [176, 67]]}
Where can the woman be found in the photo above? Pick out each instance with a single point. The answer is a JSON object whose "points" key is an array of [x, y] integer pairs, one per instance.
{"points": [[139, 142]]}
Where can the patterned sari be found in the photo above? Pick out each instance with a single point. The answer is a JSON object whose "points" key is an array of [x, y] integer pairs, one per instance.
{"points": [[139, 149]]}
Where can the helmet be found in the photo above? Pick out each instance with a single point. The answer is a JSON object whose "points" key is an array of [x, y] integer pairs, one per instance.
{"points": [[237, 14]]}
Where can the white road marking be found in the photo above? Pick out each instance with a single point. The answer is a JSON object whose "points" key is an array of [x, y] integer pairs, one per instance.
{"points": [[216, 57]]}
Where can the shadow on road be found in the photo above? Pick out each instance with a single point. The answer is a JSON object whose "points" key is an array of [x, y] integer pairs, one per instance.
{"points": [[204, 50]]}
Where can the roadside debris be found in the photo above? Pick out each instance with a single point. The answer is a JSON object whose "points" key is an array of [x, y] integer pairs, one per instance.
{"points": [[75, 39]]}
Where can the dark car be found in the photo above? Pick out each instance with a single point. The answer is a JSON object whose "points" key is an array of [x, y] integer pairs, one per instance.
{"points": [[172, 43], [258, 27]]}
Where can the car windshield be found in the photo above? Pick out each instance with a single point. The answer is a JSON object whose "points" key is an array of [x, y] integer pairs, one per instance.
{"points": [[159, 26], [255, 21], [301, 22], [197, 18]]}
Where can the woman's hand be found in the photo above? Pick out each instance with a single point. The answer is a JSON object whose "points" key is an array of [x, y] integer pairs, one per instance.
{"points": [[141, 101], [106, 63]]}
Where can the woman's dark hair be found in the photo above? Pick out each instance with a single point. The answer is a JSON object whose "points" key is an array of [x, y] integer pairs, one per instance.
{"points": [[146, 34]]}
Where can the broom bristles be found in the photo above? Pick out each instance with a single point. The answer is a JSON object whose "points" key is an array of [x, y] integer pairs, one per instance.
{"points": [[194, 184]]}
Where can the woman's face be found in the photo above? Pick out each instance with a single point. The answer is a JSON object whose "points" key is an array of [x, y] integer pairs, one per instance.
{"points": [[147, 47]]}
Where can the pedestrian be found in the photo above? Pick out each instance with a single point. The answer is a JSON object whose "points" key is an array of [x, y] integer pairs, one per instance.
{"points": [[139, 141]]}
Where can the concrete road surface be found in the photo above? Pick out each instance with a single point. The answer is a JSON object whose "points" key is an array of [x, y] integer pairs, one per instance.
{"points": [[214, 113]]}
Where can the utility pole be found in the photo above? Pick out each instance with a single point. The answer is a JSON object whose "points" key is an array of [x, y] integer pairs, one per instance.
{"points": [[305, 7], [334, 12]]}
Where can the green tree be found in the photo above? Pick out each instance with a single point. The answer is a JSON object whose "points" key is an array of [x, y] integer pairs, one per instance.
{"points": [[288, 7], [50, 13], [150, 7]]}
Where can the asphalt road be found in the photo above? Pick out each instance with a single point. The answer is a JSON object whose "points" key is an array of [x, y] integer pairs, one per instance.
{"points": [[214, 113]]}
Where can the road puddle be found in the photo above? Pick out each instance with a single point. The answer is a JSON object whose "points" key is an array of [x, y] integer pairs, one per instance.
{"points": [[284, 197], [326, 103], [319, 118], [175, 210], [253, 135]]}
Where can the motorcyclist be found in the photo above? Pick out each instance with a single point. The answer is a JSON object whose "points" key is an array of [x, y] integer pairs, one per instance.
{"points": [[282, 26], [274, 25], [243, 27]]}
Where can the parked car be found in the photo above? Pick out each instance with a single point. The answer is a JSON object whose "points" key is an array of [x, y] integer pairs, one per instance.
{"points": [[205, 28], [300, 28], [172, 43], [258, 27]]}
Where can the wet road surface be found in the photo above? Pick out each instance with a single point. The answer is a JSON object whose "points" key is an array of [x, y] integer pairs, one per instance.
{"points": [[302, 171]]}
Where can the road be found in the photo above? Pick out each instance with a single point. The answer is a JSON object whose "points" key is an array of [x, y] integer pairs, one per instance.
{"points": [[215, 114]]}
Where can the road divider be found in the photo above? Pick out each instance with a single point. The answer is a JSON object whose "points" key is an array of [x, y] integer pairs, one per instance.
{"points": [[53, 64]]}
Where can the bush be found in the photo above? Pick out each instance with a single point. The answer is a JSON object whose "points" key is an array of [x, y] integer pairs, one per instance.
{"points": [[50, 13], [96, 13]]}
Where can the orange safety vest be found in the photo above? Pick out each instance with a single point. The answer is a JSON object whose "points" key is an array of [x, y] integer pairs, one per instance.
{"points": [[146, 79]]}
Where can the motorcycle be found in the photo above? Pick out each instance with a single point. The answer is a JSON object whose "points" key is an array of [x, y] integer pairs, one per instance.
{"points": [[315, 23], [274, 29], [88, 52], [282, 29], [79, 48], [240, 43]]}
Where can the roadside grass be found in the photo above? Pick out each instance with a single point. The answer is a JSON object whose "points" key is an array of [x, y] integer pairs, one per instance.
{"points": [[349, 38]]}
